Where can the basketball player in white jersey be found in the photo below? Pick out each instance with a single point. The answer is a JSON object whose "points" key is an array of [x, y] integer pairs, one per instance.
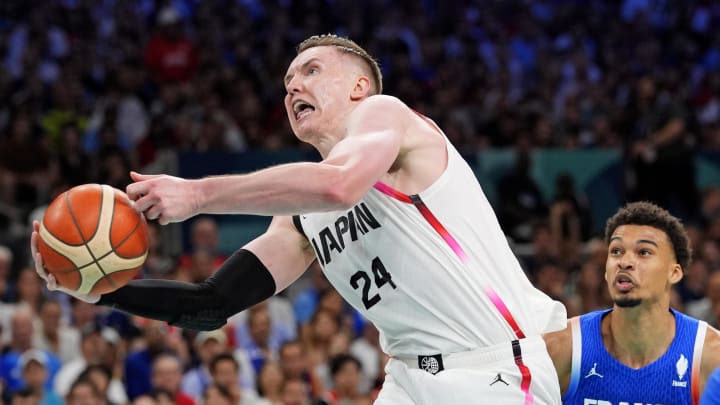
{"points": [[400, 226]]}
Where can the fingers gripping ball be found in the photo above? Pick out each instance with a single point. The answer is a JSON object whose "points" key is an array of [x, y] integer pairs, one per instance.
{"points": [[92, 239]]}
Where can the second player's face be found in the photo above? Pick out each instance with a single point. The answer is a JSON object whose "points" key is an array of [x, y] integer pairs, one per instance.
{"points": [[641, 266]]}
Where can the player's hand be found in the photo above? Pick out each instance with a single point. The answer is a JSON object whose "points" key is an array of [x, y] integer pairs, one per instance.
{"points": [[50, 281], [162, 197]]}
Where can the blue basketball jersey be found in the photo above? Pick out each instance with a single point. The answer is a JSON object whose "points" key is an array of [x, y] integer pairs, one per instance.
{"points": [[599, 379]]}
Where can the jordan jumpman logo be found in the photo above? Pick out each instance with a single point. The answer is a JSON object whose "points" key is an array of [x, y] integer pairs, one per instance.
{"points": [[593, 372]]}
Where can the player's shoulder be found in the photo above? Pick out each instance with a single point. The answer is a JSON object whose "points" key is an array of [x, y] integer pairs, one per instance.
{"points": [[560, 342], [384, 103]]}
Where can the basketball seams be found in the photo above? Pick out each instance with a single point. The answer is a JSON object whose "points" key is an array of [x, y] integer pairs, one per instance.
{"points": [[49, 232], [69, 251], [77, 224], [114, 248], [90, 219], [102, 230]]}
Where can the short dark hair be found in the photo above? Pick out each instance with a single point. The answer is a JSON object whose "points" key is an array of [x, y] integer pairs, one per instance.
{"points": [[348, 46], [649, 214], [223, 357], [339, 361]]}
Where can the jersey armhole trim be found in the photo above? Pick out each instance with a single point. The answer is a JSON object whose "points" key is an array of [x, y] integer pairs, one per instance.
{"points": [[298, 225], [697, 359], [576, 360]]}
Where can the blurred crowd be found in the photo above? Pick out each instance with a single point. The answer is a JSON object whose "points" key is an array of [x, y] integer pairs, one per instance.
{"points": [[92, 89]]}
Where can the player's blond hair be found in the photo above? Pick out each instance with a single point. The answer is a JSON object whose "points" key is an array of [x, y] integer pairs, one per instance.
{"points": [[350, 47]]}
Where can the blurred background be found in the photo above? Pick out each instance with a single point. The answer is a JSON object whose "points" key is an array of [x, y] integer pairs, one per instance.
{"points": [[564, 109]]}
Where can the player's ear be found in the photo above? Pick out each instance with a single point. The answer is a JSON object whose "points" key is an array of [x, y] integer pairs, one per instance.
{"points": [[361, 88], [676, 273]]}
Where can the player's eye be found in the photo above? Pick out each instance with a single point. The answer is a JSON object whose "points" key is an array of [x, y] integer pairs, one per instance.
{"points": [[313, 71], [615, 251], [645, 252]]}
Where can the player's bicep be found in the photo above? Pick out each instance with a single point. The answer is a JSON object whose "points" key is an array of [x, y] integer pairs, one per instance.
{"points": [[283, 250], [373, 143], [559, 346]]}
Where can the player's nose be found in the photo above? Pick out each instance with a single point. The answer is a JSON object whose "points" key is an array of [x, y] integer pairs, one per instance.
{"points": [[625, 262], [294, 85]]}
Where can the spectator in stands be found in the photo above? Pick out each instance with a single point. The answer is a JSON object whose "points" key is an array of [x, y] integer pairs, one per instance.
{"points": [[138, 363], [169, 55], [366, 348], [323, 326], [53, 335], [83, 392], [570, 218], [93, 345], [225, 372], [74, 165], [218, 395], [692, 287], [83, 314], [295, 391], [204, 237], [33, 364], [24, 163], [520, 203], [551, 278], [708, 307], [167, 375], [21, 332], [269, 383], [158, 264], [259, 328], [307, 300], [207, 346], [660, 149], [346, 371], [24, 396], [295, 366], [200, 267], [6, 288], [101, 377], [29, 290]]}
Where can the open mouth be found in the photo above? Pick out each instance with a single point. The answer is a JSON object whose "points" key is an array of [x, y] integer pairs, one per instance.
{"points": [[624, 282], [302, 109]]}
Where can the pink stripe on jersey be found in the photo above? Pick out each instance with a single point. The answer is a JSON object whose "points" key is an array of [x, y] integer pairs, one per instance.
{"points": [[505, 312], [387, 190], [427, 214], [525, 381], [440, 229], [453, 244]]}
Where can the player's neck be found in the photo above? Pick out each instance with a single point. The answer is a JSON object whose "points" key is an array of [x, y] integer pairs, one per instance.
{"points": [[638, 336]]}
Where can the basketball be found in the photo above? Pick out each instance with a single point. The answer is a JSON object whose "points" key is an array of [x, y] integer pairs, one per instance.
{"points": [[92, 240]]}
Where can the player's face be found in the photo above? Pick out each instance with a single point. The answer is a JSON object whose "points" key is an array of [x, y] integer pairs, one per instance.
{"points": [[641, 266], [319, 83]]}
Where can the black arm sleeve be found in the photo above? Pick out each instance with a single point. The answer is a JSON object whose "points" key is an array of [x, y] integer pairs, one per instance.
{"points": [[240, 282]]}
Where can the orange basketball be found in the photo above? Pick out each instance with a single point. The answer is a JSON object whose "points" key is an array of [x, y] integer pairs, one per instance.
{"points": [[92, 240]]}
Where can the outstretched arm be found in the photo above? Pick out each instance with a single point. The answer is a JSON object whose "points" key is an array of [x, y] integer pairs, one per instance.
{"points": [[351, 168], [252, 274]]}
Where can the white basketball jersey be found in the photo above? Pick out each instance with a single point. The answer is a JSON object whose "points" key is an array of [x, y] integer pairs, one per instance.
{"points": [[432, 271]]}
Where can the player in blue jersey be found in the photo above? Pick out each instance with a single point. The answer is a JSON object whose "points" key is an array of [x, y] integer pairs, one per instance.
{"points": [[712, 390], [640, 350]]}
